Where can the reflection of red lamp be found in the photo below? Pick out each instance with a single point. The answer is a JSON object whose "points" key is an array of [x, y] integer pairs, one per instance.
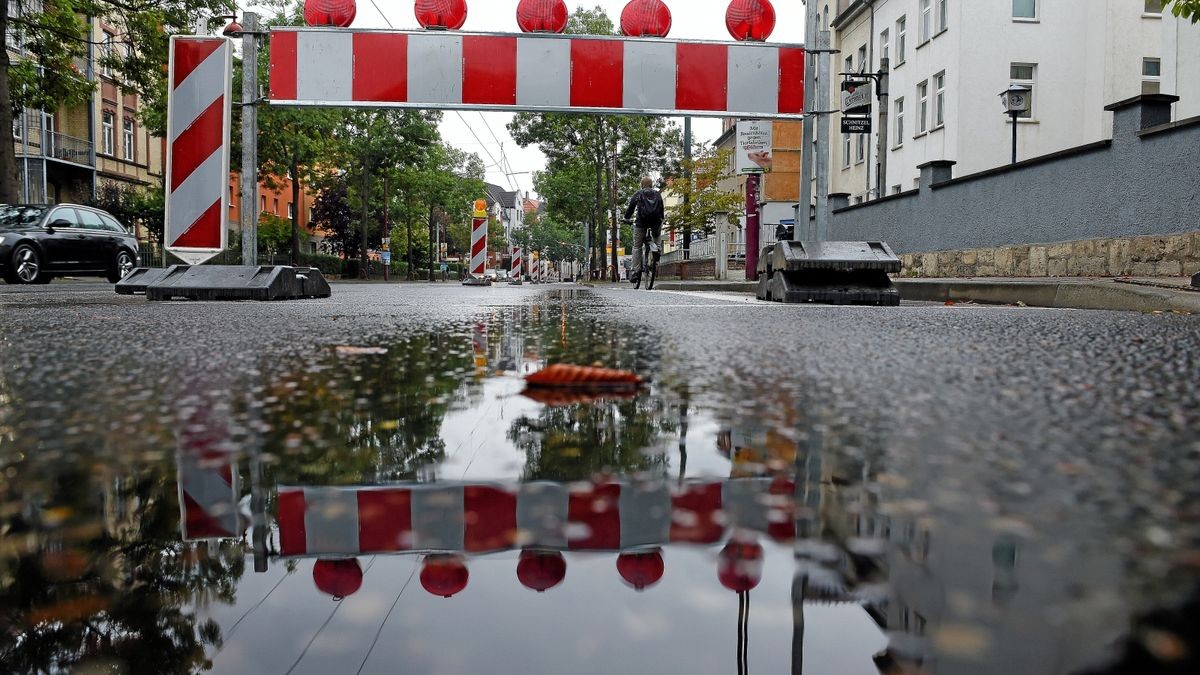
{"points": [[739, 567], [444, 575], [338, 13], [541, 570], [443, 14], [339, 578], [750, 20], [641, 570], [646, 18], [542, 16]]}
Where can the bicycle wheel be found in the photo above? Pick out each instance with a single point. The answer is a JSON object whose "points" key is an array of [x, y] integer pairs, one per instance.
{"points": [[653, 271]]}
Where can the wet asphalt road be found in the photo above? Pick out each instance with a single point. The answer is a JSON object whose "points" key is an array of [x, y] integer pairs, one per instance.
{"points": [[1053, 455]]}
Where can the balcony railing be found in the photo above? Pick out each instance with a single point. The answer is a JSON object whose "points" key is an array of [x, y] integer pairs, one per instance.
{"points": [[66, 148]]}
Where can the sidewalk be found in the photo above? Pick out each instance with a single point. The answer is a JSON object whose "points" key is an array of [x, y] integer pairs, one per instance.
{"points": [[1133, 295]]}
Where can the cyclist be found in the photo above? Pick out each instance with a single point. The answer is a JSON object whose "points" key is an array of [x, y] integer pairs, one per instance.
{"points": [[648, 204]]}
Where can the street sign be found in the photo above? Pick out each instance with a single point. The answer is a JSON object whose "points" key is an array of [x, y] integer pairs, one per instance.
{"points": [[535, 72], [197, 172], [856, 96], [387, 257], [856, 125], [754, 146]]}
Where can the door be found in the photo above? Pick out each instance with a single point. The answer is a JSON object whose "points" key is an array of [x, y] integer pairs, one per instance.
{"points": [[100, 248], [66, 247]]}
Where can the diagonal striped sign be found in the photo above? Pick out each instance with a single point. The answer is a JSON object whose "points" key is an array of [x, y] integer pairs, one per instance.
{"points": [[535, 72], [479, 232], [516, 263], [198, 111]]}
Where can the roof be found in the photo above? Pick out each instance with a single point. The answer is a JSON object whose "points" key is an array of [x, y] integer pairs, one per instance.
{"points": [[498, 195]]}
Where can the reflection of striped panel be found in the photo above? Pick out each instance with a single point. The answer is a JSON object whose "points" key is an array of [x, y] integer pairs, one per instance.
{"points": [[535, 72], [208, 498], [329, 521], [198, 146]]}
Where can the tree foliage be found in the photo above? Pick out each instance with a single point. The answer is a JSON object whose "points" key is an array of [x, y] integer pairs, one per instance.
{"points": [[1185, 9], [132, 206], [702, 199]]}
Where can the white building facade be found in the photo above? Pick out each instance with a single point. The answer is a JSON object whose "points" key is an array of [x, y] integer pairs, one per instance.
{"points": [[949, 61], [1181, 64]]}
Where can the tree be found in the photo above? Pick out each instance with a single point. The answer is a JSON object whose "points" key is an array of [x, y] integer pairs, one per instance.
{"points": [[333, 213], [53, 35], [701, 197], [294, 144], [133, 206], [591, 159], [1185, 9]]}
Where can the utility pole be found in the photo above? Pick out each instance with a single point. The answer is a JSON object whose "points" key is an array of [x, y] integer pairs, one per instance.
{"points": [[362, 260], [811, 27], [881, 153], [250, 139], [687, 205]]}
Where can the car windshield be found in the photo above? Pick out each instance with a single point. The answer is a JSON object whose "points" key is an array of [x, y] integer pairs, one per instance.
{"points": [[16, 215]]}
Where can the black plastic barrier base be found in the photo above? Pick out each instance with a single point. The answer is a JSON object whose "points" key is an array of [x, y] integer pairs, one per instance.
{"points": [[830, 272], [227, 282], [135, 282]]}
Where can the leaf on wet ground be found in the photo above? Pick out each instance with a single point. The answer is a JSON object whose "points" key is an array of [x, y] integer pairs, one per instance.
{"points": [[349, 350], [591, 378]]}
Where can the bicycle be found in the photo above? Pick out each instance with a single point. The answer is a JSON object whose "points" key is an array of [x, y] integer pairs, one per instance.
{"points": [[649, 252]]}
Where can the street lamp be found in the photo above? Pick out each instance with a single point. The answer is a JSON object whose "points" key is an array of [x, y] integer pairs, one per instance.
{"points": [[1016, 102]]}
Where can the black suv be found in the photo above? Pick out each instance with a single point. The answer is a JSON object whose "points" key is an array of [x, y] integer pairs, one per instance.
{"points": [[39, 242]]}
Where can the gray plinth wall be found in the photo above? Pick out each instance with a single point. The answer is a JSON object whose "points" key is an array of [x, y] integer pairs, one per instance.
{"points": [[1144, 181]]}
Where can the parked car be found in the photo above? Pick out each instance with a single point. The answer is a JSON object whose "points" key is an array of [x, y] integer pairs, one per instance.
{"points": [[39, 242]]}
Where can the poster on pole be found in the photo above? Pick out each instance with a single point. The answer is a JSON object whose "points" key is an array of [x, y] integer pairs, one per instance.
{"points": [[753, 146]]}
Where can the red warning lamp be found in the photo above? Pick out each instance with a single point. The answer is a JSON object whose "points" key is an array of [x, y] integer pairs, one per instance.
{"points": [[750, 20], [339, 578], [541, 570], [641, 570], [234, 29], [542, 16], [739, 567], [646, 18], [441, 14], [444, 575], [338, 13]]}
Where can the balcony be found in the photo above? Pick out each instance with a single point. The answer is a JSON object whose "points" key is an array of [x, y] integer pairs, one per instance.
{"points": [[53, 145]]}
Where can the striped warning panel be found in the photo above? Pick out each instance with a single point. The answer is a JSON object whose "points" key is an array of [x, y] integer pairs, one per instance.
{"points": [[198, 109], [450, 69]]}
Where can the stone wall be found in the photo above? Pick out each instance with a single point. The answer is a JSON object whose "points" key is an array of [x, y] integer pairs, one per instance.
{"points": [[1157, 256], [1126, 206]]}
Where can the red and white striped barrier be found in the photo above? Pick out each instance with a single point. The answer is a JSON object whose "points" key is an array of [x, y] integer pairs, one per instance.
{"points": [[479, 247], [516, 263], [482, 518], [197, 173], [450, 69]]}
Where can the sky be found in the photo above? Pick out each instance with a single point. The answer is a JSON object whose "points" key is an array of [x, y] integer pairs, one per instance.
{"points": [[486, 135]]}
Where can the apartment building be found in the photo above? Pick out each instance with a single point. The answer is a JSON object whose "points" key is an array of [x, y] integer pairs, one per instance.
{"points": [[949, 60], [63, 154]]}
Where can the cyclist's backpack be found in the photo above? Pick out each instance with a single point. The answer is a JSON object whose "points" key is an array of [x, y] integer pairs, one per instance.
{"points": [[650, 208]]}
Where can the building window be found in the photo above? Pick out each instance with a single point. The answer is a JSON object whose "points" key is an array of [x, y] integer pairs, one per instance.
{"points": [[1026, 74], [1025, 9], [943, 15], [863, 66], [1151, 76], [17, 133], [926, 27], [922, 107], [107, 129], [860, 151], [1154, 7], [899, 122], [883, 45], [845, 151], [107, 52], [275, 206], [263, 206], [939, 100], [901, 27], [291, 210], [127, 139], [849, 64]]}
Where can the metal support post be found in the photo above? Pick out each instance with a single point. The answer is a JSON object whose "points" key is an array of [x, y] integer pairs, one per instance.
{"points": [[751, 228], [1014, 115], [687, 179], [249, 139], [808, 147], [822, 233]]}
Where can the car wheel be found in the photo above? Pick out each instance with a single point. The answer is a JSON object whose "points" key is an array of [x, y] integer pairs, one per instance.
{"points": [[27, 266], [123, 267]]}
